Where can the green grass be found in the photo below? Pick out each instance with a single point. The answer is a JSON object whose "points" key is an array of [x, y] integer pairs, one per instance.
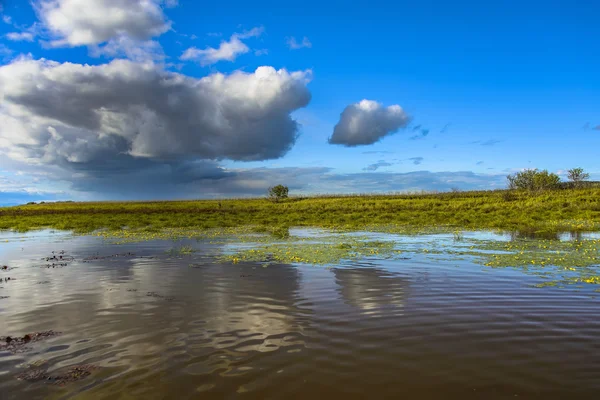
{"points": [[553, 211]]}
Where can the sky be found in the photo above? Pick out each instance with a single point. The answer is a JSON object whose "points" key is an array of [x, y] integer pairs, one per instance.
{"points": [[166, 99]]}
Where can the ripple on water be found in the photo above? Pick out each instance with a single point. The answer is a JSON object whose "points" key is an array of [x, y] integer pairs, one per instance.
{"points": [[151, 327]]}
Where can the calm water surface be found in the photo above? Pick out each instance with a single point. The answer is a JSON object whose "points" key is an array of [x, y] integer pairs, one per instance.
{"points": [[158, 328]]}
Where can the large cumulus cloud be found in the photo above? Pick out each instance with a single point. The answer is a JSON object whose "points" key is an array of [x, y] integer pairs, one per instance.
{"points": [[72, 113], [134, 126], [85, 22], [367, 122]]}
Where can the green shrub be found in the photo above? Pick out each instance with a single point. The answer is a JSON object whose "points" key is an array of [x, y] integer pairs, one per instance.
{"points": [[533, 180], [577, 176], [278, 192]]}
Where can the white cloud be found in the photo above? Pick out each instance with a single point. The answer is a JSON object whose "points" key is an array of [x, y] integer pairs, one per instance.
{"points": [[227, 50], [25, 34], [125, 117], [84, 22], [367, 122], [261, 52], [6, 19], [294, 45], [5, 52], [254, 32], [20, 36], [125, 47]]}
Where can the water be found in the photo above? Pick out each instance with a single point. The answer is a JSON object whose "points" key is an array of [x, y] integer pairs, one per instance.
{"points": [[418, 328]]}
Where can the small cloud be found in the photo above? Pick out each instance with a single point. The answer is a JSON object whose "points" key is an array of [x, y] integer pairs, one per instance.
{"points": [[214, 34], [261, 52], [377, 165], [254, 32], [193, 37], [171, 3], [86, 23], [489, 142], [377, 152], [20, 36], [6, 19], [416, 128], [294, 45], [227, 50], [5, 52], [588, 126], [422, 133], [445, 128], [25, 35], [416, 160], [367, 122], [479, 163], [149, 50]]}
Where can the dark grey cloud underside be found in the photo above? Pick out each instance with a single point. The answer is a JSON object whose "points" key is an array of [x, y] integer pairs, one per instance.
{"points": [[377, 165], [194, 182]]}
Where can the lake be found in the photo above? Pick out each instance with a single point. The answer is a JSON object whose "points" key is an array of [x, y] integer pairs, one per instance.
{"points": [[137, 320]]}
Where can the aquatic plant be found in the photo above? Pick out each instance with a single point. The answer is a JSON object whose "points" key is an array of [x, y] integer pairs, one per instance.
{"points": [[180, 251]]}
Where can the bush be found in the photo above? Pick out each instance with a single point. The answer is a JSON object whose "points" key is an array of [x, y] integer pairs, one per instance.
{"points": [[533, 180], [278, 192], [577, 176]]}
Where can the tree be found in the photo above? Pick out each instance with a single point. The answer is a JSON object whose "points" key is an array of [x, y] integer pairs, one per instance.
{"points": [[533, 180], [577, 176], [278, 192]]}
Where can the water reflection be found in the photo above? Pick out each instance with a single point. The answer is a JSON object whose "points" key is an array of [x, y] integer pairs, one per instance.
{"points": [[370, 289], [541, 235], [163, 327], [534, 235]]}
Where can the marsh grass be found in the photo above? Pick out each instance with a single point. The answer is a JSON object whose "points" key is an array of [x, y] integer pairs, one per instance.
{"points": [[549, 211], [558, 263], [180, 251], [327, 252]]}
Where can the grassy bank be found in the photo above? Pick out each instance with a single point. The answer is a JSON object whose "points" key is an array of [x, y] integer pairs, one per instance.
{"points": [[560, 210]]}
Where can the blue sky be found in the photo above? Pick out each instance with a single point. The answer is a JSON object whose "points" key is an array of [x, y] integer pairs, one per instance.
{"points": [[485, 88]]}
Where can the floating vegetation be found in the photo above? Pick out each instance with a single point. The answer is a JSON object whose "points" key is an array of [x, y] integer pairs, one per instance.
{"points": [[60, 377], [181, 251], [159, 296], [564, 254], [326, 252], [57, 260], [18, 344], [98, 257], [123, 236]]}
